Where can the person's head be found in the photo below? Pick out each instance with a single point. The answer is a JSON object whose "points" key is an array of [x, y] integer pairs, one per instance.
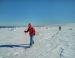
{"points": [[29, 25]]}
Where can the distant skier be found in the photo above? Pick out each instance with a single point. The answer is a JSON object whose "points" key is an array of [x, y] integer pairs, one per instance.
{"points": [[31, 31], [59, 28]]}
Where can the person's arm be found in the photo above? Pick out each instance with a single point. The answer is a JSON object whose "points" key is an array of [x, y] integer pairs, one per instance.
{"points": [[27, 30]]}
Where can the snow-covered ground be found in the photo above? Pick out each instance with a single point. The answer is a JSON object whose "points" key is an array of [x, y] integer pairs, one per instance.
{"points": [[49, 42]]}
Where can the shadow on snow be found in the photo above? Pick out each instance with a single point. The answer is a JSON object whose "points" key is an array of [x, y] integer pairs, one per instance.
{"points": [[13, 46]]}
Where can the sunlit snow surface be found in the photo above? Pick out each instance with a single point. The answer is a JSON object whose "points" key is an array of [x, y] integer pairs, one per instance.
{"points": [[49, 42]]}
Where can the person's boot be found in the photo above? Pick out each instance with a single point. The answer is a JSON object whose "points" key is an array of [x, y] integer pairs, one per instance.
{"points": [[30, 44], [33, 43]]}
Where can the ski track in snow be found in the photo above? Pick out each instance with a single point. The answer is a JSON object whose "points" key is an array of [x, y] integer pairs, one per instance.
{"points": [[49, 43]]}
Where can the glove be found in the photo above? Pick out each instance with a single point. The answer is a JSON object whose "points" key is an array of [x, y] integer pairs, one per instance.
{"points": [[25, 31]]}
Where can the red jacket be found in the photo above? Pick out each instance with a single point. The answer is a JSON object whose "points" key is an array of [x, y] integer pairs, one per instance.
{"points": [[31, 30]]}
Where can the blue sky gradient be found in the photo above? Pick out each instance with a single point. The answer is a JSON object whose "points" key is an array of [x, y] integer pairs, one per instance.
{"points": [[38, 12]]}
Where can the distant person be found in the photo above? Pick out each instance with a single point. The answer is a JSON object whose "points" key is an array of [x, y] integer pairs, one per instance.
{"points": [[59, 28], [31, 31]]}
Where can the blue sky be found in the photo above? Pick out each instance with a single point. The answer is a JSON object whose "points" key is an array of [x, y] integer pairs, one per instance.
{"points": [[38, 12]]}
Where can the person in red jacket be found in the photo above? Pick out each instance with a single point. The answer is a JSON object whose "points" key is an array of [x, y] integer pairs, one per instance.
{"points": [[31, 31]]}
